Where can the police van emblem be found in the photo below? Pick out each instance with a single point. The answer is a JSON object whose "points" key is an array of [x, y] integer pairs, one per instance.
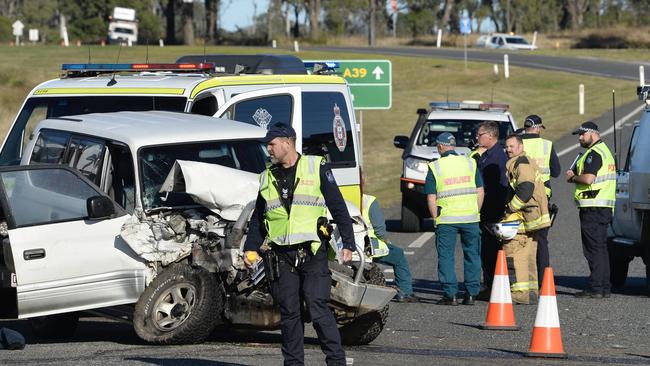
{"points": [[262, 117], [285, 193], [340, 134]]}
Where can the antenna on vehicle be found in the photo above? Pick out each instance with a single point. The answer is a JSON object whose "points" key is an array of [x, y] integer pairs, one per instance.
{"points": [[146, 57], [204, 44], [492, 96], [89, 53], [113, 81], [447, 94], [614, 125]]}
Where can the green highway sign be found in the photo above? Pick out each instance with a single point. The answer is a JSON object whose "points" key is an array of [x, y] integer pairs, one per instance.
{"points": [[370, 82]]}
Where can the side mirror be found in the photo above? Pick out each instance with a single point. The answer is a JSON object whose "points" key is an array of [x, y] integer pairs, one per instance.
{"points": [[99, 207], [401, 142]]}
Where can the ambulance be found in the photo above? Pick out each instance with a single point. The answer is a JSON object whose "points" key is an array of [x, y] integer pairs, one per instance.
{"points": [[260, 90]]}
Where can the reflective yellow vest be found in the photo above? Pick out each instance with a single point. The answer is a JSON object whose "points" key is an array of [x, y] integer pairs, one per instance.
{"points": [[602, 192], [539, 150], [456, 192], [308, 205], [379, 247]]}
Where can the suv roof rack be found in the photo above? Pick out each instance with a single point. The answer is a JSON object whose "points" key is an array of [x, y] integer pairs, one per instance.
{"points": [[253, 64]]}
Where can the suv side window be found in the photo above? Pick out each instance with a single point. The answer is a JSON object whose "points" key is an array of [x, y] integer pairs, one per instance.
{"points": [[326, 129], [50, 147], [86, 155], [41, 196], [263, 111]]}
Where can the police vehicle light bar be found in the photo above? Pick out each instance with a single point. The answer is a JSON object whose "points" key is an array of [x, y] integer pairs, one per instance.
{"points": [[137, 67], [469, 105], [321, 67], [643, 92]]}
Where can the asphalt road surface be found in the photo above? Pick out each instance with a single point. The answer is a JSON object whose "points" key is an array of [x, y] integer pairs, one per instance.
{"points": [[594, 332], [580, 65]]}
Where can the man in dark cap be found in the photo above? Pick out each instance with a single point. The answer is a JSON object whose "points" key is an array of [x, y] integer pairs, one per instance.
{"points": [[295, 193], [542, 152], [454, 190], [594, 175]]}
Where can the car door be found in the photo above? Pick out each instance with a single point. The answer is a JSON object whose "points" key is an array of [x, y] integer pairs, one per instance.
{"points": [[267, 107], [624, 219], [63, 260]]}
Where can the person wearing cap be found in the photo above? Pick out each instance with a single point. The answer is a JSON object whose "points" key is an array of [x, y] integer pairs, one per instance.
{"points": [[294, 195], [542, 152], [492, 168], [527, 202], [454, 190], [594, 176], [384, 252]]}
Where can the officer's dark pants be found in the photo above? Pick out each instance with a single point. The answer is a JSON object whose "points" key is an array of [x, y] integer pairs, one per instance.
{"points": [[490, 245], [543, 261], [593, 227], [311, 282]]}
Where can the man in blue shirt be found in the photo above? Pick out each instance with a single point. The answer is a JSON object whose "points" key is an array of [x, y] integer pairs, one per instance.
{"points": [[492, 166], [454, 190]]}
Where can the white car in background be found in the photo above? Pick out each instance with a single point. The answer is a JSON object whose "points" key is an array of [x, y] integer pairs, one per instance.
{"points": [[504, 41]]}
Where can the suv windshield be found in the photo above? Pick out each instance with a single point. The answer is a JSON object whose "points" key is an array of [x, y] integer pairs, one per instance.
{"points": [[37, 109], [156, 162], [463, 130]]}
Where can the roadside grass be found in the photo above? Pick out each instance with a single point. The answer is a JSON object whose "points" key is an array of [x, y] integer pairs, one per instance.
{"points": [[416, 81]]}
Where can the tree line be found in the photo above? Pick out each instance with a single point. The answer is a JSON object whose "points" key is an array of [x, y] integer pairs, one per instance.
{"points": [[178, 21]]}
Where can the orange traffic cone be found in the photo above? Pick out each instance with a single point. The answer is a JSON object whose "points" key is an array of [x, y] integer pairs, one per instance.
{"points": [[546, 340], [500, 315]]}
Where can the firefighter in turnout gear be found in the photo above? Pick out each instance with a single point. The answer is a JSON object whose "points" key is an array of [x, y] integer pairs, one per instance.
{"points": [[542, 152], [594, 175], [529, 204], [454, 189], [295, 193]]}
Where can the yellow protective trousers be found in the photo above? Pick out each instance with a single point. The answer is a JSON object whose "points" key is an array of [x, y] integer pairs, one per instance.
{"points": [[521, 256]]}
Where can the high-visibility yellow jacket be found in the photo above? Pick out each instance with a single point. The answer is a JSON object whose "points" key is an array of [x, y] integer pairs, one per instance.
{"points": [[539, 150], [379, 247], [300, 225], [456, 192], [602, 192], [534, 212]]}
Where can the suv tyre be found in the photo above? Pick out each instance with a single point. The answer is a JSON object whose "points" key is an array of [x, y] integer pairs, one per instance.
{"points": [[365, 328], [182, 305], [411, 222]]}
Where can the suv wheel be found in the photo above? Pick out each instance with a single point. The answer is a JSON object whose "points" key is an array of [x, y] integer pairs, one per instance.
{"points": [[411, 222], [619, 263], [181, 305], [365, 328]]}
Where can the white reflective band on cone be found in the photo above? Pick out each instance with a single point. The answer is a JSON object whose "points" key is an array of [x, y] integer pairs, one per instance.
{"points": [[501, 290], [547, 316]]}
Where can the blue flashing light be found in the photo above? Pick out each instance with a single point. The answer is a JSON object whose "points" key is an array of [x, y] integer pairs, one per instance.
{"points": [[329, 64], [204, 66], [95, 67]]}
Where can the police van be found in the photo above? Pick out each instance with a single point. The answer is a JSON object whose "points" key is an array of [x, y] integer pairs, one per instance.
{"points": [[629, 233], [461, 119], [261, 90]]}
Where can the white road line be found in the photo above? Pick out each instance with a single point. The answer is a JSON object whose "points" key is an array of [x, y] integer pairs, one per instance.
{"points": [[619, 123], [409, 253], [419, 242]]}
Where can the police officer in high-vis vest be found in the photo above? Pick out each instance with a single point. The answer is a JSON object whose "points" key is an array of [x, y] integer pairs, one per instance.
{"points": [[454, 190], [384, 252], [542, 152], [295, 193], [594, 175]]}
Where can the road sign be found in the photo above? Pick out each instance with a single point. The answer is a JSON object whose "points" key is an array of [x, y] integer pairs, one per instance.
{"points": [[370, 82], [33, 35], [18, 28], [465, 25]]}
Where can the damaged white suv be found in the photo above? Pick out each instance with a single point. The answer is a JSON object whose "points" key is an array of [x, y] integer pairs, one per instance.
{"points": [[151, 209]]}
